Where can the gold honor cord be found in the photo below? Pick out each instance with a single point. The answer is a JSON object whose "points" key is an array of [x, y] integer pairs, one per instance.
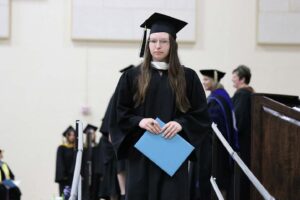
{"points": [[6, 172]]}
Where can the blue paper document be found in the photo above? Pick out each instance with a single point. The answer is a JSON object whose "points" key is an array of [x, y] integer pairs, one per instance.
{"points": [[168, 154], [9, 183]]}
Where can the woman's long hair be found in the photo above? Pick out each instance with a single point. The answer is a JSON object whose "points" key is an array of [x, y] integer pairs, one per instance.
{"points": [[175, 73]]}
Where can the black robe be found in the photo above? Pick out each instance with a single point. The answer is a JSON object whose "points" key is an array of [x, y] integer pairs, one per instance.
{"points": [[109, 186], [11, 192], [200, 171], [97, 170], [65, 163], [145, 180], [242, 107], [92, 171], [221, 112]]}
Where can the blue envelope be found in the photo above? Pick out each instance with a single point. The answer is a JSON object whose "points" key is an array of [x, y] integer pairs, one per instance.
{"points": [[168, 154]]}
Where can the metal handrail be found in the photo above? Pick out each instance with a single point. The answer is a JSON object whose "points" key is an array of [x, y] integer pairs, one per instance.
{"points": [[261, 189], [216, 188]]}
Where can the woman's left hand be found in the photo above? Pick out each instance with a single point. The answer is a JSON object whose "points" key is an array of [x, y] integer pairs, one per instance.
{"points": [[170, 129]]}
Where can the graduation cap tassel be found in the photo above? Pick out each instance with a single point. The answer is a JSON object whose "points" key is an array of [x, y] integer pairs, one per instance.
{"points": [[215, 76], [143, 43]]}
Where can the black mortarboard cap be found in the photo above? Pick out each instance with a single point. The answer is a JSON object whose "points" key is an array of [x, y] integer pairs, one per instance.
{"points": [[213, 73], [126, 68], [90, 127], [69, 129], [158, 22]]}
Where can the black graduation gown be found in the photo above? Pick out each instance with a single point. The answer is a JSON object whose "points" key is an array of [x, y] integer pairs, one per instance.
{"points": [[8, 193], [86, 172], [92, 171], [221, 112], [145, 180], [89, 171], [242, 107], [200, 171], [108, 151], [109, 186], [65, 162], [97, 170]]}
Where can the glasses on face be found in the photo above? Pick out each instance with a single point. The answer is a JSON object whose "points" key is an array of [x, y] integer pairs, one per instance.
{"points": [[161, 42]]}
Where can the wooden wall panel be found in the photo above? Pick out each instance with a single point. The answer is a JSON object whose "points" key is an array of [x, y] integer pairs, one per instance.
{"points": [[275, 158]]}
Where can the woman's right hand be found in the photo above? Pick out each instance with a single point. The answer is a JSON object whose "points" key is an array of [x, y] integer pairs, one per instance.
{"points": [[150, 125]]}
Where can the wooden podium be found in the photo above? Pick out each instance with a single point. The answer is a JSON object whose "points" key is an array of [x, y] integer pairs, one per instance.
{"points": [[275, 145]]}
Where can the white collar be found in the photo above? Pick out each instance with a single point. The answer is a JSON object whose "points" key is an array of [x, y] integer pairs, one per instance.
{"points": [[160, 65]]}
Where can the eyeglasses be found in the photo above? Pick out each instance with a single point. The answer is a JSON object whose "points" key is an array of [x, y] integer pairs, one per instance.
{"points": [[161, 42]]}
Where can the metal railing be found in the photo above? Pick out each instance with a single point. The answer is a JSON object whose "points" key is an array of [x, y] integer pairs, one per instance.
{"points": [[216, 188], [261, 189]]}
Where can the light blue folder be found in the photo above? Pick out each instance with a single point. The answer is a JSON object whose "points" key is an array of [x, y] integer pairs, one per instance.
{"points": [[168, 154], [9, 183]]}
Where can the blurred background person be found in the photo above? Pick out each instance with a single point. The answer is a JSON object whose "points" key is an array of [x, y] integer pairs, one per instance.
{"points": [[8, 189], [110, 188], [65, 160], [221, 112], [241, 99], [90, 154]]}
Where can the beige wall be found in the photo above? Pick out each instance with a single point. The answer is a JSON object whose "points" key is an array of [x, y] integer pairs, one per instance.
{"points": [[45, 78]]}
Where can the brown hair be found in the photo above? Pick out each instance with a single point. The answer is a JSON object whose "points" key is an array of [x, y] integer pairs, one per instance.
{"points": [[175, 73]]}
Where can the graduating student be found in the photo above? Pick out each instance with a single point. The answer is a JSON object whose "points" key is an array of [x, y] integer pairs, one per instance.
{"points": [[89, 186], [8, 189], [114, 170], [241, 77], [221, 112], [159, 87], [109, 186], [65, 160], [97, 170]]}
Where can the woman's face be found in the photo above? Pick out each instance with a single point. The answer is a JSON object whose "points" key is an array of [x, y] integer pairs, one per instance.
{"points": [[236, 80], [208, 83], [71, 137], [159, 45]]}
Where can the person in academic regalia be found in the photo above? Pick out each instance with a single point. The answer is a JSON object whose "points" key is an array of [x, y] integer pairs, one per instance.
{"points": [[109, 186], [97, 170], [65, 160], [242, 106], [221, 112], [115, 169], [159, 87], [89, 183], [8, 189]]}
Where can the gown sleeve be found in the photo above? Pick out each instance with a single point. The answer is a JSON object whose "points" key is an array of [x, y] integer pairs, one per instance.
{"points": [[124, 98], [122, 120], [60, 168], [242, 108], [195, 122]]}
